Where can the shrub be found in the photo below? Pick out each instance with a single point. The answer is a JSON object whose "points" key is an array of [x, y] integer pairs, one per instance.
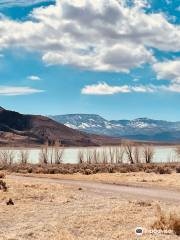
{"points": [[178, 169], [10, 202], [2, 175], [167, 221], [54, 170], [87, 172], [149, 171], [3, 186], [96, 170], [163, 170], [111, 170], [30, 170]]}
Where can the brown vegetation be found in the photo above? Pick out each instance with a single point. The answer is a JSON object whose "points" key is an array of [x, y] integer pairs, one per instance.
{"points": [[3, 185], [167, 221], [2, 175], [92, 168], [51, 211]]}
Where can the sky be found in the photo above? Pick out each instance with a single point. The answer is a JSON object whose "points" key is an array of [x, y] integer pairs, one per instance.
{"points": [[116, 58]]}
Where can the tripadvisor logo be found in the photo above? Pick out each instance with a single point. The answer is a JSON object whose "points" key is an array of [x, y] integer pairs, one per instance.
{"points": [[139, 231]]}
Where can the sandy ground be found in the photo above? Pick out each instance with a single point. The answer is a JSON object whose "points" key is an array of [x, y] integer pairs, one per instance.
{"points": [[50, 211]]}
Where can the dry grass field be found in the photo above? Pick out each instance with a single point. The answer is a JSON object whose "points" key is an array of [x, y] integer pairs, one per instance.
{"points": [[169, 181], [50, 211]]}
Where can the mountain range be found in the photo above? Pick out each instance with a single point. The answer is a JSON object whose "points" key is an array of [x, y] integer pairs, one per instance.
{"points": [[144, 129], [18, 129]]}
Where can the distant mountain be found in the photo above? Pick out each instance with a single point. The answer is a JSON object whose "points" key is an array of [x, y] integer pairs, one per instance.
{"points": [[19, 129], [137, 129]]}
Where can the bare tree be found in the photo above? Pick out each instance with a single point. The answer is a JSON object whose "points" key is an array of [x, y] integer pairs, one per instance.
{"points": [[58, 154], [50, 154], [119, 154], [7, 156], [112, 153], [23, 156], [81, 157], [148, 153], [95, 156], [129, 152], [44, 155], [178, 151], [104, 157], [137, 154]]}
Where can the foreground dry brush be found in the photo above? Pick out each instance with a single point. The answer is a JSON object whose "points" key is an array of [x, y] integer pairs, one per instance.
{"points": [[167, 221], [49, 211]]}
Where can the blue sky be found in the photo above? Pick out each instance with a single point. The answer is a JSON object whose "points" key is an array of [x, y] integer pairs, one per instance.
{"points": [[119, 59]]}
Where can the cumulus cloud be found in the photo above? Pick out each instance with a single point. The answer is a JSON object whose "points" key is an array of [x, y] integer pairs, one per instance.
{"points": [[15, 91], [34, 78], [168, 70], [104, 35], [106, 89]]}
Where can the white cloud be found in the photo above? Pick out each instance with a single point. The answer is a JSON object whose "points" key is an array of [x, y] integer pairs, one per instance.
{"points": [[34, 78], [1, 55], [15, 91], [119, 58], [141, 4], [168, 70], [173, 88], [99, 35], [105, 89]]}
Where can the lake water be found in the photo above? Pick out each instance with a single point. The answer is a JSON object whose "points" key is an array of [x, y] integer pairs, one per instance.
{"points": [[70, 155]]}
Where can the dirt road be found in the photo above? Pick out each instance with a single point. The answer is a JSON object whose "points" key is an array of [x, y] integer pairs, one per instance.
{"points": [[129, 192]]}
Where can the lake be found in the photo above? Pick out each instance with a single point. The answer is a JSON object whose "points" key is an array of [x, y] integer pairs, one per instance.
{"points": [[70, 155]]}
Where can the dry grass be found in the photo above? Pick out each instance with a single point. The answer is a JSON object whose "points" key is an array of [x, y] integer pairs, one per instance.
{"points": [[56, 212], [167, 221]]}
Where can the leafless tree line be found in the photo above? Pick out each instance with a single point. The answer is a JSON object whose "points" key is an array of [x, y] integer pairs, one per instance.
{"points": [[8, 156], [51, 154], [127, 153], [47, 155], [95, 155]]}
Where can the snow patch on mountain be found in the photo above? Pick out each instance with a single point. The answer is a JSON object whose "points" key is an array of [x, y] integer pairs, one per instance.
{"points": [[140, 128]]}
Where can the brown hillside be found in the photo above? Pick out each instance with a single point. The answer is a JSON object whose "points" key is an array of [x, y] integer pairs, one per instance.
{"points": [[20, 129]]}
